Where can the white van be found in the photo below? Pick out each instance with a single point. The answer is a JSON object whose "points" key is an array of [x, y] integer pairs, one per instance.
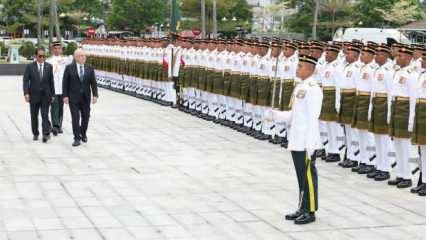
{"points": [[378, 35]]}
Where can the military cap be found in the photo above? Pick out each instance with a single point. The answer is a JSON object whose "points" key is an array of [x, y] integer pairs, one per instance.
{"points": [[333, 48], [317, 45], [291, 45], [354, 48], [372, 44], [383, 48], [308, 59], [369, 50], [56, 44], [406, 49]]}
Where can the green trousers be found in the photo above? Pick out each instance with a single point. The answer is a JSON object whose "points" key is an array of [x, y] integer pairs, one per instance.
{"points": [[57, 111], [307, 179]]}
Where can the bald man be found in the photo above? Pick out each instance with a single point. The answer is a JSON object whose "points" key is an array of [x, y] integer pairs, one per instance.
{"points": [[79, 84]]}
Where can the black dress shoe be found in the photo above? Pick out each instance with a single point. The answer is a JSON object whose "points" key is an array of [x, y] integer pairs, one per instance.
{"points": [[76, 143], [422, 192], [284, 143], [367, 169], [382, 176], [35, 138], [418, 188], [344, 162], [305, 218], [333, 157], [321, 154], [350, 164], [373, 174], [84, 139], [55, 131], [405, 183], [46, 138], [395, 182], [358, 168], [293, 216]]}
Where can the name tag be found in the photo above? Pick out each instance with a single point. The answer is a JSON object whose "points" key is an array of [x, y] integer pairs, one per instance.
{"points": [[365, 76], [301, 94], [381, 77]]}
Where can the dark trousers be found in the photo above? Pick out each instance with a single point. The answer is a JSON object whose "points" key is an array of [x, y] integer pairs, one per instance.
{"points": [[307, 179], [80, 110], [57, 112], [43, 107]]}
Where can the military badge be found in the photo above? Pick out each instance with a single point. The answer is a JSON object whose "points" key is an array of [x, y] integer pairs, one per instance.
{"points": [[301, 94], [402, 80], [365, 76]]}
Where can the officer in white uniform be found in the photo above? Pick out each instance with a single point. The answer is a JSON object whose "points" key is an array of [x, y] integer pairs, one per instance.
{"points": [[59, 62], [304, 138]]}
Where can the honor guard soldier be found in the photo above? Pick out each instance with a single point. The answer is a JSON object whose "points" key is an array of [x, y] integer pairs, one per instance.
{"points": [[287, 73], [304, 138], [419, 128], [362, 105], [347, 93], [329, 78], [316, 50], [379, 111], [403, 92]]}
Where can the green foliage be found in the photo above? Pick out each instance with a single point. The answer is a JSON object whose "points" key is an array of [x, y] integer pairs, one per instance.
{"points": [[345, 13], [137, 15], [225, 9], [70, 48], [4, 49], [27, 49]]}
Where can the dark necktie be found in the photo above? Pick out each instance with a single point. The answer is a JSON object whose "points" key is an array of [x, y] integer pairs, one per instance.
{"points": [[81, 73], [40, 72]]}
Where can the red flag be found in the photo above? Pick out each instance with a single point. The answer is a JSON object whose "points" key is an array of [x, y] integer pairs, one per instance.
{"points": [[165, 64], [182, 62]]}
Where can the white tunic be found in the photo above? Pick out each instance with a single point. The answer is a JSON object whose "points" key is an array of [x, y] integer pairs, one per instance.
{"points": [[304, 133]]}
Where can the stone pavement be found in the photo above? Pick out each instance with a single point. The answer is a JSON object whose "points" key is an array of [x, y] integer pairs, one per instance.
{"points": [[151, 172]]}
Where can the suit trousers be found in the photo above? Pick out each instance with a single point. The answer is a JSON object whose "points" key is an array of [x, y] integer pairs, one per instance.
{"points": [[80, 111], [43, 107]]}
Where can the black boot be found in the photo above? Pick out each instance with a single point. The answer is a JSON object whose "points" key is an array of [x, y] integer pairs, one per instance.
{"points": [[305, 218], [293, 216]]}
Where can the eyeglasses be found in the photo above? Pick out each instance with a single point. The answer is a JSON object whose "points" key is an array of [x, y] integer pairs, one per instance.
{"points": [[41, 56]]}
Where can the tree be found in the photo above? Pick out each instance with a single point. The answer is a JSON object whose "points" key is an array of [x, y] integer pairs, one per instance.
{"points": [[229, 14], [136, 15], [316, 12], [402, 12], [333, 8]]}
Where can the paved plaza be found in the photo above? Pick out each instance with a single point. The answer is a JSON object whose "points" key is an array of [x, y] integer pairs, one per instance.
{"points": [[152, 172]]}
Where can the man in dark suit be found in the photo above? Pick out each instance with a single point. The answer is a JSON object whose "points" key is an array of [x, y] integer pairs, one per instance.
{"points": [[39, 91], [78, 85]]}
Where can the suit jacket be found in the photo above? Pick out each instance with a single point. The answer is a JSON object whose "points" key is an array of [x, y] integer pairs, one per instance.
{"points": [[34, 86], [76, 90]]}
